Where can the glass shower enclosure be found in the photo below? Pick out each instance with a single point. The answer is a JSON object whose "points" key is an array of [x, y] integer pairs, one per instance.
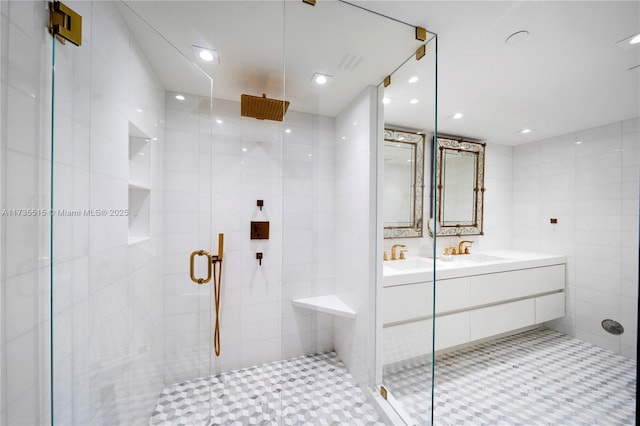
{"points": [[195, 241]]}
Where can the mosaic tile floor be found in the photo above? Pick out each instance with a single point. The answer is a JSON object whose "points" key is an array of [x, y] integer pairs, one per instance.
{"points": [[537, 377], [313, 389]]}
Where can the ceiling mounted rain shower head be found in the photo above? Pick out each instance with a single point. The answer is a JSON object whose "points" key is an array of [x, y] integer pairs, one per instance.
{"points": [[263, 108]]}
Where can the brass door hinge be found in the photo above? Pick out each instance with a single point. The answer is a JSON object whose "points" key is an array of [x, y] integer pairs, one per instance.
{"points": [[421, 34], [64, 23], [422, 50], [383, 392], [311, 2]]}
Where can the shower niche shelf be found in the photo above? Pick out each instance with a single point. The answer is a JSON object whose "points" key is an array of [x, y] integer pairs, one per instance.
{"points": [[330, 304], [139, 185]]}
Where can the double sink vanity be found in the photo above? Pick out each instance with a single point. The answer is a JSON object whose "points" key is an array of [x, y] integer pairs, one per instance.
{"points": [[477, 296]]}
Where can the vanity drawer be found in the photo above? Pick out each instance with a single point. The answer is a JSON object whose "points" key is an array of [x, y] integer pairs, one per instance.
{"points": [[407, 302], [415, 301], [503, 286], [492, 320], [452, 294], [412, 339], [550, 307]]}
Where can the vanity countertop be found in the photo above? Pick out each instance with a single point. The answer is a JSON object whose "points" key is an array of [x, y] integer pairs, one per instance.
{"points": [[418, 269]]}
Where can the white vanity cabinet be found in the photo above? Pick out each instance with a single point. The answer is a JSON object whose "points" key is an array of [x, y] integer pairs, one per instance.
{"points": [[470, 305]]}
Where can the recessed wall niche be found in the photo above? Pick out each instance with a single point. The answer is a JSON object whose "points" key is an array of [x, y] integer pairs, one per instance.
{"points": [[139, 184]]}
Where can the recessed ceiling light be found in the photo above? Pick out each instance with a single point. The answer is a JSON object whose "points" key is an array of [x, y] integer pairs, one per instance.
{"points": [[154, 139], [414, 101], [413, 79], [457, 116], [219, 121], [244, 149], [386, 100], [205, 54], [139, 110], [630, 42], [180, 97], [578, 142], [525, 131], [320, 79], [355, 123], [343, 138], [517, 37], [287, 131]]}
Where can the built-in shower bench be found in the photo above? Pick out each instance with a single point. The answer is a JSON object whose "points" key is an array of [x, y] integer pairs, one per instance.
{"points": [[330, 304]]}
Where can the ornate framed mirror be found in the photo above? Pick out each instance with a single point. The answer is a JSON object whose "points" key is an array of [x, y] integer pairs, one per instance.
{"points": [[460, 186], [403, 184]]}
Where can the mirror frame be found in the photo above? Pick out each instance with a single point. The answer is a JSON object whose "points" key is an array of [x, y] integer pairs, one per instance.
{"points": [[417, 139], [474, 227]]}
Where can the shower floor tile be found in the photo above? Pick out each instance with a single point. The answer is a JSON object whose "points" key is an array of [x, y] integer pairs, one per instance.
{"points": [[536, 377], [313, 389]]}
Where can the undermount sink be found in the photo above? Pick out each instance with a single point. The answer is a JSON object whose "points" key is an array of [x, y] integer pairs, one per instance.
{"points": [[408, 264]]}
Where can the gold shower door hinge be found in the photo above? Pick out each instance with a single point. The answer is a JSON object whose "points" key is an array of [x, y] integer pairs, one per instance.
{"points": [[64, 23], [383, 392]]}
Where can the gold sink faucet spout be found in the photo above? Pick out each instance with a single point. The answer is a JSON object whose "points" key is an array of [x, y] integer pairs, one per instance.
{"points": [[393, 251], [462, 249]]}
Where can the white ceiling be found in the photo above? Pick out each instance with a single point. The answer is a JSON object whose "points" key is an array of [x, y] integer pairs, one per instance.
{"points": [[568, 75]]}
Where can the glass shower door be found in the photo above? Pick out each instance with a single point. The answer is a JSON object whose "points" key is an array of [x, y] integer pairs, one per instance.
{"points": [[130, 201], [410, 323]]}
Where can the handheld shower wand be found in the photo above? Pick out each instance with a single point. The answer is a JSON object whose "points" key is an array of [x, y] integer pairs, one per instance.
{"points": [[214, 270], [217, 286]]}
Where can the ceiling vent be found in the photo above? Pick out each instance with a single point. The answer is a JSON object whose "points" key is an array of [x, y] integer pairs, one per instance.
{"points": [[349, 62], [263, 108]]}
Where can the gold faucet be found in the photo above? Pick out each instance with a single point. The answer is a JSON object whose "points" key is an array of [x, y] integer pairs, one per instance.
{"points": [[393, 250], [462, 249]]}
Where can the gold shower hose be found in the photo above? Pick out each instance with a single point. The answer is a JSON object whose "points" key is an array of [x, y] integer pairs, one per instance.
{"points": [[217, 286]]}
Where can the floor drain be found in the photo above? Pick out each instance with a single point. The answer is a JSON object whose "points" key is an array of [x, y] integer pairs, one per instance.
{"points": [[613, 327]]}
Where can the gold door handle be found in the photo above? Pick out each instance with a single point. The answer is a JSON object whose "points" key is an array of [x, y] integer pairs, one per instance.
{"points": [[192, 264]]}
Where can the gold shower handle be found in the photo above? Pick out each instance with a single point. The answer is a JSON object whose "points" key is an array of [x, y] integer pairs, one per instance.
{"points": [[192, 267]]}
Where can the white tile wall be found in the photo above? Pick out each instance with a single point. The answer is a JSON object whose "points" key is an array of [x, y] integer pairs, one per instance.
{"points": [[589, 181], [246, 160], [355, 236]]}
